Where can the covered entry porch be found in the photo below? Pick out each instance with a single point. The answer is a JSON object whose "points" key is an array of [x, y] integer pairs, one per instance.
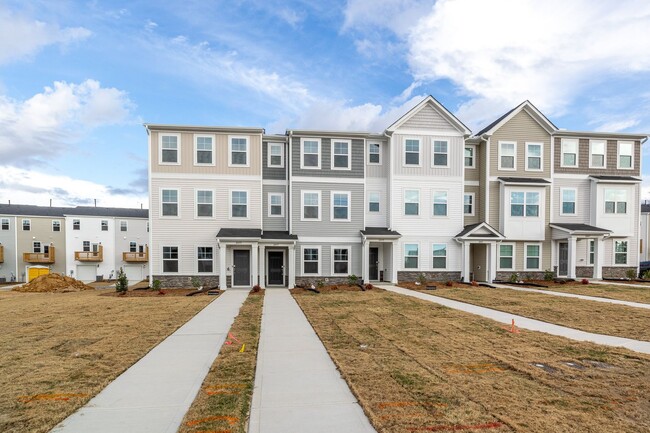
{"points": [[579, 248], [379, 246], [479, 244]]}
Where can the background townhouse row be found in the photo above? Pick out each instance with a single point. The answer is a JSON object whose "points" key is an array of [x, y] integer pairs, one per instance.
{"points": [[83, 242]]}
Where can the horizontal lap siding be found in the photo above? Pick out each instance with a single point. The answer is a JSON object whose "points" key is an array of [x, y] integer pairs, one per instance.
{"points": [[326, 257], [468, 219], [456, 149], [583, 191], [426, 253], [274, 173], [482, 169], [8, 241], [41, 230], [357, 162], [583, 159], [274, 223], [377, 219], [374, 170], [495, 204], [520, 255]]}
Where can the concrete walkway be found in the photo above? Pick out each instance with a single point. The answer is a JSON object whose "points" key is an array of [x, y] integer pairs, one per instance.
{"points": [[609, 283], [297, 386], [574, 295], [154, 394], [525, 322]]}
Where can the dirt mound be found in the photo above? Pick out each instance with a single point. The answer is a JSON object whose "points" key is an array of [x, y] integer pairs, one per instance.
{"points": [[53, 283]]}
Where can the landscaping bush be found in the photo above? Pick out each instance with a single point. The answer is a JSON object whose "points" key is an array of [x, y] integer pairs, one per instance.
{"points": [[369, 286], [196, 282], [585, 281], [630, 274], [320, 284], [353, 280], [156, 285], [122, 283], [514, 278], [548, 275], [422, 279], [256, 288], [646, 275]]}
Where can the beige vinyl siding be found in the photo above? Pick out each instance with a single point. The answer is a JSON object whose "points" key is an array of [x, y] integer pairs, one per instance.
{"points": [[583, 190], [374, 170], [584, 156], [456, 151], [41, 231], [521, 128], [221, 155], [273, 223], [467, 219], [472, 173], [428, 119], [325, 269], [481, 151], [495, 204], [520, 255]]}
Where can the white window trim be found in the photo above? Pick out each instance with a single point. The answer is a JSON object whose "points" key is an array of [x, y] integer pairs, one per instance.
{"points": [[269, 195], [525, 204], [514, 255], [368, 202], [349, 142], [162, 259], [419, 140], [618, 155], [302, 205], [54, 221], [196, 204], [627, 254], [200, 164], [570, 140], [473, 203], [433, 257], [433, 154], [2, 221], [178, 203], [575, 207], [101, 225], [514, 163], [22, 224], [419, 203], [302, 154], [433, 198], [196, 260], [178, 148], [269, 145], [473, 147], [541, 156], [126, 223], [526, 268], [339, 220], [340, 247], [248, 205], [589, 260], [368, 153], [616, 212], [79, 221], [404, 256], [591, 143], [302, 259], [248, 149]]}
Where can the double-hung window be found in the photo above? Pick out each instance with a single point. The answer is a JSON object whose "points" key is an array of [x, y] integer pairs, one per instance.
{"points": [[340, 206], [124, 226], [506, 256], [597, 154], [373, 201], [625, 154], [76, 224], [311, 204], [507, 155], [534, 156], [340, 154], [310, 260], [239, 204], [104, 225], [533, 256], [411, 256], [568, 201], [440, 203], [85, 246], [469, 157], [56, 225], [204, 150], [524, 204], [27, 225], [275, 155], [169, 202], [204, 259], [133, 247], [4, 223], [238, 151], [411, 202], [169, 149], [620, 252], [170, 259], [411, 151], [340, 261], [616, 201], [569, 152], [36, 246], [592, 251], [439, 254], [374, 153], [468, 204], [276, 204], [204, 204], [310, 153], [440, 153]]}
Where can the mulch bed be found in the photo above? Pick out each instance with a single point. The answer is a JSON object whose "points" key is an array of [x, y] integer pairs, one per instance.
{"points": [[438, 284], [332, 288], [152, 293]]}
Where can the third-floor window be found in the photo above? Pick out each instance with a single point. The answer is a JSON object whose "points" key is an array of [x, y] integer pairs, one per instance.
{"points": [[310, 153], [374, 153], [276, 155], [534, 156], [440, 156], [597, 157], [569, 153], [238, 151], [411, 152], [625, 154], [204, 146], [340, 155], [169, 149]]}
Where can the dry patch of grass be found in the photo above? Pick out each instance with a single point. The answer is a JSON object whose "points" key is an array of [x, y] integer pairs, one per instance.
{"points": [[416, 366], [634, 294], [591, 316], [223, 403], [59, 350]]}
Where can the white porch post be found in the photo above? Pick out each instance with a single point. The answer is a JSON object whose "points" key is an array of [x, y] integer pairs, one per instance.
{"points": [[292, 266], [599, 255], [465, 247], [262, 267], [571, 273], [254, 264], [396, 261], [492, 274], [223, 248], [365, 274]]}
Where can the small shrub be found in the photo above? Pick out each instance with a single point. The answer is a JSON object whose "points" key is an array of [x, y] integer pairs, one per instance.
{"points": [[514, 277], [630, 274], [196, 282], [320, 284], [422, 279], [122, 283], [369, 286], [474, 283], [646, 275], [256, 288], [548, 275], [156, 285], [449, 283], [353, 280], [584, 281]]}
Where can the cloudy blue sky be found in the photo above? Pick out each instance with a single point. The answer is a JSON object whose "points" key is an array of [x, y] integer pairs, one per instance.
{"points": [[78, 78]]}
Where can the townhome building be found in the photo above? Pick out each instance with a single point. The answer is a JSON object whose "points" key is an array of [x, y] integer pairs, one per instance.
{"points": [[644, 236]]}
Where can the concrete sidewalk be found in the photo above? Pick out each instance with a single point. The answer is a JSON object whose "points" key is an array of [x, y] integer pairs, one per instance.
{"points": [[525, 322], [574, 295], [154, 394], [297, 386], [610, 282]]}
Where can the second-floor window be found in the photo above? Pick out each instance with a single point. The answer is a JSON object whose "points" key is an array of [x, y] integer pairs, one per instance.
{"points": [[85, 246], [104, 225], [27, 225], [4, 224], [76, 224], [204, 204], [310, 153], [374, 153], [311, 205], [56, 226], [340, 155], [440, 203], [276, 202], [169, 202], [204, 145], [36, 247], [597, 153], [620, 252], [340, 206], [239, 204], [568, 201], [124, 226], [524, 204], [169, 149], [411, 202], [276, 155], [569, 153], [625, 154], [615, 201], [440, 156], [411, 152], [469, 157], [373, 201], [534, 156], [239, 151], [507, 155], [468, 204]]}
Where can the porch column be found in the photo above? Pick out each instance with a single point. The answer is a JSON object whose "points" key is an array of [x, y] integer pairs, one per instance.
{"points": [[492, 274], [262, 267], [365, 274], [465, 247], [571, 273], [396, 262], [291, 264], [222, 266], [599, 255], [254, 264]]}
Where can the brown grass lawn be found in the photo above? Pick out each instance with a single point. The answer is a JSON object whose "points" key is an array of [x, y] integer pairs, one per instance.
{"points": [[61, 349], [223, 404], [591, 316], [634, 294], [418, 367]]}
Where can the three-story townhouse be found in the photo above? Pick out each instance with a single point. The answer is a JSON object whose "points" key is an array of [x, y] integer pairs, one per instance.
{"points": [[8, 253]]}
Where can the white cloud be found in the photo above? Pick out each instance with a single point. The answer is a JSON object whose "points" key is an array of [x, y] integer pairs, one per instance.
{"points": [[23, 186], [396, 15], [22, 37], [39, 127]]}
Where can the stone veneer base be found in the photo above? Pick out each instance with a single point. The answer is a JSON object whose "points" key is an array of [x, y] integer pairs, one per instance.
{"points": [[430, 275]]}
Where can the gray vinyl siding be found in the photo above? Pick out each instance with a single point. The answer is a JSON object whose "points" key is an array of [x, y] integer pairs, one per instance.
{"points": [[428, 119], [521, 128], [325, 227], [325, 269], [611, 157], [273, 223], [374, 170], [456, 151], [469, 219], [273, 173], [357, 163]]}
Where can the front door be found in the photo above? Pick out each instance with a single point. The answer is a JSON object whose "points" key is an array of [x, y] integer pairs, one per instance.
{"points": [[276, 268], [563, 264], [373, 264], [241, 272]]}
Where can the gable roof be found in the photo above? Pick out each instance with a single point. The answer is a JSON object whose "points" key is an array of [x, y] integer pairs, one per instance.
{"points": [[430, 100], [479, 230], [536, 114]]}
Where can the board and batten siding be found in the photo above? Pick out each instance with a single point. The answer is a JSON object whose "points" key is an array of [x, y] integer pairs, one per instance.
{"points": [[326, 257], [325, 227], [377, 219], [521, 128], [455, 157], [428, 119], [379, 170], [583, 196], [274, 173], [221, 155], [357, 159], [274, 223]]}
